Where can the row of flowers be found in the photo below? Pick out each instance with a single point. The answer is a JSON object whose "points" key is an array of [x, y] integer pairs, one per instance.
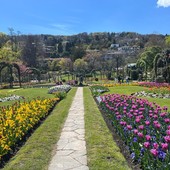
{"points": [[153, 95], [153, 84], [160, 90], [98, 89], [9, 98], [59, 88], [16, 121], [143, 126]]}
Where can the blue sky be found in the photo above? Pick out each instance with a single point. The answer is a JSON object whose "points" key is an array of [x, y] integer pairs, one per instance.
{"points": [[68, 17]]}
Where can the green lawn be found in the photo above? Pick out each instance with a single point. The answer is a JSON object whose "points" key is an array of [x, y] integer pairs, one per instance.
{"points": [[102, 151], [37, 151], [27, 93]]}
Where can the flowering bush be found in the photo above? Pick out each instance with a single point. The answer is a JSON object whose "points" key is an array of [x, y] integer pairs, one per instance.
{"points": [[64, 88], [18, 119], [153, 84], [143, 126]]}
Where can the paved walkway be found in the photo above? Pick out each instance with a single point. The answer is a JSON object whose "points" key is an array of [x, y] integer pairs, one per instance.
{"points": [[71, 147]]}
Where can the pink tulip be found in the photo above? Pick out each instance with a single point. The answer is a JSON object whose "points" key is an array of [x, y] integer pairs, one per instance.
{"points": [[156, 146], [167, 139], [158, 125], [155, 116], [147, 122], [146, 144], [141, 127], [167, 120], [123, 123], [168, 127], [137, 120], [154, 152], [129, 127], [140, 134], [164, 146], [148, 137], [168, 132], [135, 131], [163, 114]]}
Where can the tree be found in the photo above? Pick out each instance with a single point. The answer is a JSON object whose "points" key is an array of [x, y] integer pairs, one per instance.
{"points": [[65, 64], [156, 59], [3, 39], [77, 53], [29, 51], [167, 40], [80, 66], [60, 48]]}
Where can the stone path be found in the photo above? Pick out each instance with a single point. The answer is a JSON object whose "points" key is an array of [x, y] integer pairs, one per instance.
{"points": [[71, 147]]}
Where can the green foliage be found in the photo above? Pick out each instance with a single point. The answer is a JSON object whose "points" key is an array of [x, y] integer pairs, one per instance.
{"points": [[167, 40], [60, 94], [97, 90]]}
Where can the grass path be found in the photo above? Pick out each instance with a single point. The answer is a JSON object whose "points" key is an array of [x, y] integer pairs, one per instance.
{"points": [[36, 153], [102, 151]]}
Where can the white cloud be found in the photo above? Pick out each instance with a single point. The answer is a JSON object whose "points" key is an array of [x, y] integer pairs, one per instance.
{"points": [[163, 3]]}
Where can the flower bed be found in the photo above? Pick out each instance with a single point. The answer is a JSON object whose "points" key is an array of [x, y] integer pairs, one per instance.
{"points": [[98, 89], [13, 97], [143, 126], [153, 95], [16, 121], [59, 88], [153, 84]]}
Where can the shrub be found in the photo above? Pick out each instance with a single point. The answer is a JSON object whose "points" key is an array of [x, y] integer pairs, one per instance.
{"points": [[60, 94]]}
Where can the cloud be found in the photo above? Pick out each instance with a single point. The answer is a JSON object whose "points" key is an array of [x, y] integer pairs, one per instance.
{"points": [[163, 3]]}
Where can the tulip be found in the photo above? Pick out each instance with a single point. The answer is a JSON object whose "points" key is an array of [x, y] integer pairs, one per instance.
{"points": [[141, 127], [167, 120], [154, 152], [140, 134], [135, 131], [164, 146], [148, 137], [167, 139], [168, 132], [129, 127], [147, 122], [146, 144], [155, 146]]}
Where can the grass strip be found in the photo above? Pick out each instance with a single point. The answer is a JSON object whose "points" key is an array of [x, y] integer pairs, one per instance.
{"points": [[102, 151], [37, 151]]}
